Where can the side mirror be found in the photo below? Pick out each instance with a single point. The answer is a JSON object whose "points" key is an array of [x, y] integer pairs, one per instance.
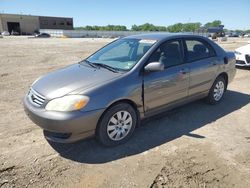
{"points": [[154, 66]]}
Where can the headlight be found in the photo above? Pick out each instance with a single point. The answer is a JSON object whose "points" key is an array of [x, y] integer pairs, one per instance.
{"points": [[67, 103], [237, 53]]}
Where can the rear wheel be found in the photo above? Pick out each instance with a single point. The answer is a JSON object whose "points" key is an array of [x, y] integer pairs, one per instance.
{"points": [[117, 124], [217, 90]]}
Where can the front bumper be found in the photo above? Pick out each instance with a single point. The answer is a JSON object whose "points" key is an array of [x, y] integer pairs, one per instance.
{"points": [[243, 60], [63, 127]]}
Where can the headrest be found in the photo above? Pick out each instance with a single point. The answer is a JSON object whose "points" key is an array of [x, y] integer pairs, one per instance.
{"points": [[199, 48], [170, 49]]}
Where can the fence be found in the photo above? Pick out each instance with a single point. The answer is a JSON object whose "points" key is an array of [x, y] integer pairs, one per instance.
{"points": [[96, 34], [84, 33]]}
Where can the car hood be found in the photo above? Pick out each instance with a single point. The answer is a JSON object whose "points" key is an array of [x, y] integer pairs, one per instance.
{"points": [[244, 49], [68, 79]]}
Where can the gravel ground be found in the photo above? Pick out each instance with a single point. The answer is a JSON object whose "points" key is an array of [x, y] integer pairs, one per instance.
{"points": [[196, 145]]}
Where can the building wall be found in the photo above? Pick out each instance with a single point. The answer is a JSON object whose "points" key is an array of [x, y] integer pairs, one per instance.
{"points": [[1, 25], [28, 24], [55, 23]]}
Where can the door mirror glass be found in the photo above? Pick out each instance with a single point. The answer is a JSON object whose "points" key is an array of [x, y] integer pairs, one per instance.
{"points": [[154, 66]]}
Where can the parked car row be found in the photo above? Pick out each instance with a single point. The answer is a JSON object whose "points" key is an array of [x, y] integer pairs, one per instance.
{"points": [[7, 33], [236, 34], [37, 35]]}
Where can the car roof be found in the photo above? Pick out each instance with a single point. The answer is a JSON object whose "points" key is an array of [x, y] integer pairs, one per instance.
{"points": [[161, 36]]}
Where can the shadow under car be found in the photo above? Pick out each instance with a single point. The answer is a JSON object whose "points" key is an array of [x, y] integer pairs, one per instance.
{"points": [[155, 131]]}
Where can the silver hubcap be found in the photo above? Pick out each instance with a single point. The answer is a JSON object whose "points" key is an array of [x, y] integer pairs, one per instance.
{"points": [[119, 125], [218, 90]]}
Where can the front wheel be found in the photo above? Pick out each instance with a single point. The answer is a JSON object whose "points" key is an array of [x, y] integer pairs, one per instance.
{"points": [[217, 90], [117, 124]]}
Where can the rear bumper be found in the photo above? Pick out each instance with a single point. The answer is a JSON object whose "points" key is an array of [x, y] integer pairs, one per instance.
{"points": [[64, 127]]}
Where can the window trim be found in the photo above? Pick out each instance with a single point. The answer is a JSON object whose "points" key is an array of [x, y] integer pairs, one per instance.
{"points": [[209, 46]]}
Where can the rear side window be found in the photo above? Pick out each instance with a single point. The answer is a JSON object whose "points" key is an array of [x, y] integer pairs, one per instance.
{"points": [[169, 53], [198, 49]]}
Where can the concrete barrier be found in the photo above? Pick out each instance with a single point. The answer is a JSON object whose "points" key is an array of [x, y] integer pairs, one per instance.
{"points": [[92, 34], [99, 34]]}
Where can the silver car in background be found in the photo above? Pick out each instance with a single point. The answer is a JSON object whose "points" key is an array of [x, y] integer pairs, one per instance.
{"points": [[108, 93]]}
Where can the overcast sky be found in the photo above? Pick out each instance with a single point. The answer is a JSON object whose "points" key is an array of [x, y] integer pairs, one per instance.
{"points": [[233, 14]]}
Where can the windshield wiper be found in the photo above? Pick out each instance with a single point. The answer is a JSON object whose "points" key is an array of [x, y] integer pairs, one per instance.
{"points": [[105, 66], [89, 63], [95, 65]]}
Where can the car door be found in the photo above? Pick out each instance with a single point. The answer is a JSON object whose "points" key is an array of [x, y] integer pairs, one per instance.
{"points": [[203, 64], [171, 84]]}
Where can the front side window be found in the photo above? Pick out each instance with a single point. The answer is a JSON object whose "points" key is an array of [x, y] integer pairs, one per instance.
{"points": [[168, 53], [197, 49], [122, 54]]}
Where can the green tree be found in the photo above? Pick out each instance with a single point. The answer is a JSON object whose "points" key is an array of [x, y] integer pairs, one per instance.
{"points": [[135, 28], [175, 28], [247, 31], [191, 27], [215, 23], [239, 31], [103, 28], [161, 28], [148, 27]]}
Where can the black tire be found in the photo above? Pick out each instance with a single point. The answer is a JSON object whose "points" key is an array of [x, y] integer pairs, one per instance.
{"points": [[211, 99], [102, 133]]}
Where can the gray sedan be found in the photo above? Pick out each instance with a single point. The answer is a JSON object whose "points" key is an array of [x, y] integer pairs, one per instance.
{"points": [[108, 93]]}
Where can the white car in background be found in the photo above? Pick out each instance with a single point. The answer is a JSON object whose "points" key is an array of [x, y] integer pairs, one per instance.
{"points": [[5, 33], [242, 55], [247, 35]]}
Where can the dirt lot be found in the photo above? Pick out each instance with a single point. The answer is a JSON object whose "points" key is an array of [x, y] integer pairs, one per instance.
{"points": [[196, 145]]}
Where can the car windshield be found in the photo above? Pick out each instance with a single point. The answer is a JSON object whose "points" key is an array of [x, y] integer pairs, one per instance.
{"points": [[122, 54]]}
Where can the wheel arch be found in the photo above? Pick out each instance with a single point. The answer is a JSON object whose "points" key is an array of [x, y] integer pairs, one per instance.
{"points": [[225, 76], [127, 101]]}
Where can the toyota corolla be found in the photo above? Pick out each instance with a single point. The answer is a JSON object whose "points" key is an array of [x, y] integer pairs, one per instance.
{"points": [[108, 93]]}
